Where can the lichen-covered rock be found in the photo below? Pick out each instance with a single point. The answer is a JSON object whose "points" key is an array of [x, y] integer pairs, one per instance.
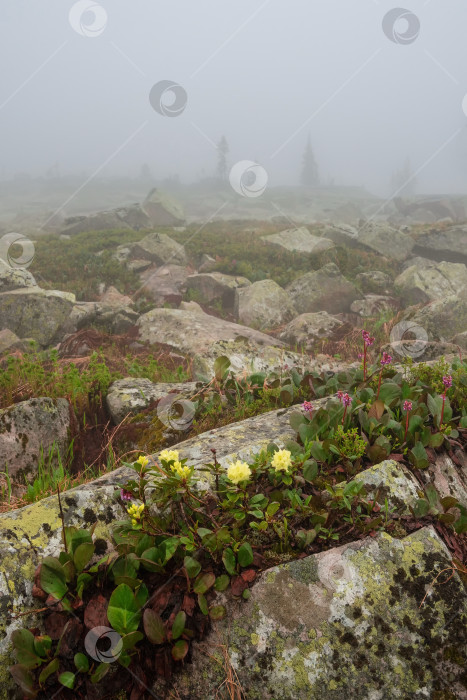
{"points": [[160, 249], [164, 284], [375, 282], [162, 209], [30, 429], [374, 305], [385, 240], [298, 240], [420, 286], [131, 396], [28, 534], [450, 245], [215, 286], [14, 277], [9, 341], [306, 329], [323, 290], [36, 313], [263, 305], [392, 481], [101, 221], [442, 319], [449, 479], [204, 338], [345, 623], [112, 297]]}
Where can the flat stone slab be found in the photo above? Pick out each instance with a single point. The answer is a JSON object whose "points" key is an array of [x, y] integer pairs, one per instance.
{"points": [[131, 396], [345, 623]]}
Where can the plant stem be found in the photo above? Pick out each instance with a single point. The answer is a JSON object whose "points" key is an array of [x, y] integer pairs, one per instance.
{"points": [[442, 410]]}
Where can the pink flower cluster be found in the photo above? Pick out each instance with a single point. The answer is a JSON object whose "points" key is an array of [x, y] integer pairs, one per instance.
{"points": [[386, 359], [367, 339], [447, 381], [125, 495], [307, 406], [344, 398], [407, 405]]}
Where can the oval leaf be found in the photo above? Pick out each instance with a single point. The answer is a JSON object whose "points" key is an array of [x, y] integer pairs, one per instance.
{"points": [[153, 627], [178, 625], [180, 650]]}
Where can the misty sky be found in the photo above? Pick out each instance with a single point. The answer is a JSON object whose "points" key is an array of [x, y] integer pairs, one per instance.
{"points": [[254, 70]]}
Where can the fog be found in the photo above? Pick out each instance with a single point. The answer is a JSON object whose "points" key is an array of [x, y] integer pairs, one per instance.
{"points": [[265, 74]]}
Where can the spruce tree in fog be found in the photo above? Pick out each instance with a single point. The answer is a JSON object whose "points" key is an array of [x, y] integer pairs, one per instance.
{"points": [[222, 151], [309, 175]]}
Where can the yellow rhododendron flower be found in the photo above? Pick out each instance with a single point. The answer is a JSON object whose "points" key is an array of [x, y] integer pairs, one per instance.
{"points": [[183, 472], [144, 461], [238, 471], [169, 455], [135, 512], [282, 460]]}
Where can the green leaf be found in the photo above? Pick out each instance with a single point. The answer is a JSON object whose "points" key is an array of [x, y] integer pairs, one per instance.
{"points": [[203, 531], [141, 595], [221, 367], [51, 667], [204, 582], [153, 627], [53, 577], [131, 639], [418, 456], [81, 662], [180, 650], [151, 560], [436, 440], [67, 679], [82, 582], [272, 509], [229, 560], [421, 508], [222, 583], [310, 470], [192, 566], [390, 393], [318, 452], [432, 495], [245, 555], [82, 555], [178, 624], [100, 672], [203, 604], [42, 645], [79, 537], [24, 678], [217, 612], [168, 548], [23, 642], [123, 611], [297, 419], [449, 502]]}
